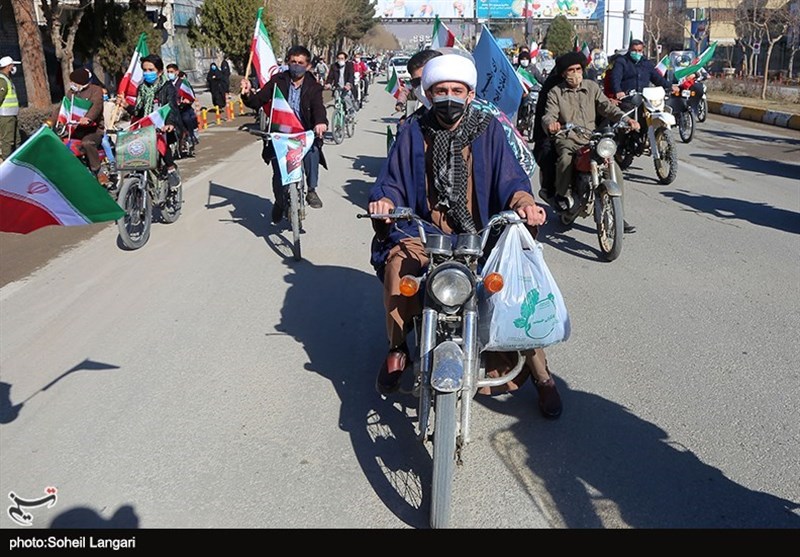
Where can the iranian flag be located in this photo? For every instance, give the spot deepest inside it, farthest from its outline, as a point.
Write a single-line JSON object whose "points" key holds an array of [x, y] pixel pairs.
{"points": [[534, 49], [261, 52], [42, 183], [698, 63], [282, 118], [526, 78], [157, 118], [575, 46], [586, 52], [442, 36], [185, 91], [394, 85], [663, 65], [129, 84], [72, 110]]}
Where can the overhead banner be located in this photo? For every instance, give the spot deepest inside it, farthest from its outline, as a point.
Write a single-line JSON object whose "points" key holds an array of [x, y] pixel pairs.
{"points": [[544, 9], [404, 9]]}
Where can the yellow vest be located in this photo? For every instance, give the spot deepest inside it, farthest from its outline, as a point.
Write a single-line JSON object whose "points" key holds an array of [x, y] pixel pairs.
{"points": [[10, 105]]}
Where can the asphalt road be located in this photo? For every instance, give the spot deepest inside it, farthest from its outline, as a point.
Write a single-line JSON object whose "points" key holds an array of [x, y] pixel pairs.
{"points": [[156, 387]]}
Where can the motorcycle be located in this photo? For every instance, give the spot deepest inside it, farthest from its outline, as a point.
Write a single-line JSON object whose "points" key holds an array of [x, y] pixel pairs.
{"points": [[654, 137], [143, 186], [698, 100], [449, 368], [527, 113], [678, 103], [596, 185]]}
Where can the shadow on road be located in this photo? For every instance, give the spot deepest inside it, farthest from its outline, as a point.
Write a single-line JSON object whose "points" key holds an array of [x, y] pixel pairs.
{"points": [[124, 518], [727, 208], [346, 346], [9, 411], [599, 461], [753, 164]]}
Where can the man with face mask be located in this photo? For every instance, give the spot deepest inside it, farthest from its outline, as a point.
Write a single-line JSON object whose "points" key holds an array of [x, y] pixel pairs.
{"points": [[342, 76], [575, 101], [483, 177], [9, 108], [634, 72], [91, 127], [304, 94]]}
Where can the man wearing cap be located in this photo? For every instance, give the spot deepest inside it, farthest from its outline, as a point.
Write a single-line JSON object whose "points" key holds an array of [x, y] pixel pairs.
{"points": [[9, 108], [455, 169], [90, 128], [575, 101]]}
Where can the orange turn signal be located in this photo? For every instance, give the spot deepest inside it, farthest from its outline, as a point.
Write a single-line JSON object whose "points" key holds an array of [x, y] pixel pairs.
{"points": [[409, 286], [493, 283]]}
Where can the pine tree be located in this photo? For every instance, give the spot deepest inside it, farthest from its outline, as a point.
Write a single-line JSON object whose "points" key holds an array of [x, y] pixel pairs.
{"points": [[559, 37]]}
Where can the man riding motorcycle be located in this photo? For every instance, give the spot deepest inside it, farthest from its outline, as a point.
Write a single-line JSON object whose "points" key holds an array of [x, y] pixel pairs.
{"points": [[90, 129], [484, 178]]}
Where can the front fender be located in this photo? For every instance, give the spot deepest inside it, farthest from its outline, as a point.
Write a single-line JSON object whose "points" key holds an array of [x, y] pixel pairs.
{"points": [[610, 186]]}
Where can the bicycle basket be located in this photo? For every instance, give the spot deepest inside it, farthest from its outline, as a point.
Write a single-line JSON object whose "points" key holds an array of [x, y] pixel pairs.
{"points": [[136, 150]]}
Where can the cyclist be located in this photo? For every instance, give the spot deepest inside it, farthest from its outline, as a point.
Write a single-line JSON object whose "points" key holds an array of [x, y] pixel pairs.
{"points": [[362, 70], [301, 90], [342, 77]]}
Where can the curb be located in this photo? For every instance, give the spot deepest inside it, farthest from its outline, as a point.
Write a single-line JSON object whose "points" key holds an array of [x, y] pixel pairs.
{"points": [[771, 117]]}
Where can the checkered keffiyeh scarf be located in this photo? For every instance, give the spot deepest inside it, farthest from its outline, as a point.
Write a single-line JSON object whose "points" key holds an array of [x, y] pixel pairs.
{"points": [[449, 167]]}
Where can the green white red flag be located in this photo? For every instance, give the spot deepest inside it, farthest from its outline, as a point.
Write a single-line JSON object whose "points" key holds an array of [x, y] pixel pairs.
{"points": [[42, 183], [395, 85], [264, 60], [282, 118], [442, 36], [185, 91], [534, 49], [526, 79], [586, 52], [129, 84], [72, 110], [663, 65], [698, 63], [157, 118]]}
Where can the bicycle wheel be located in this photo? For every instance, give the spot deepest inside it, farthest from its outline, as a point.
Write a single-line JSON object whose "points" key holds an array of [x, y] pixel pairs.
{"points": [[294, 216], [337, 126], [350, 125], [134, 226]]}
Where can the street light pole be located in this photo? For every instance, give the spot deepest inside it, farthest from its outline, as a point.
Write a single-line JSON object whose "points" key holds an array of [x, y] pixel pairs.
{"points": [[626, 24]]}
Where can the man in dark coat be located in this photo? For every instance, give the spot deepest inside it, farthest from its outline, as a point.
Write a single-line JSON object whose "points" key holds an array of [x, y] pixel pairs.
{"points": [[634, 72], [304, 94]]}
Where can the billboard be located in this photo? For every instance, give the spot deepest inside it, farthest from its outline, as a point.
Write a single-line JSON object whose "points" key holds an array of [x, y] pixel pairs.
{"points": [[545, 9], [404, 9]]}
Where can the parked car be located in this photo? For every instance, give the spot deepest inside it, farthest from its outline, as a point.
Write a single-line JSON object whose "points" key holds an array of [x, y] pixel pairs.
{"points": [[399, 64]]}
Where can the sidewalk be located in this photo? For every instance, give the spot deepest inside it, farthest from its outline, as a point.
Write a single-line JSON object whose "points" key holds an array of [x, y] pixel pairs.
{"points": [[771, 117]]}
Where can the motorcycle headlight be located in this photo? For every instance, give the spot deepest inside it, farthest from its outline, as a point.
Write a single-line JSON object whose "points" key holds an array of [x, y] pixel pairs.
{"points": [[606, 148], [450, 286]]}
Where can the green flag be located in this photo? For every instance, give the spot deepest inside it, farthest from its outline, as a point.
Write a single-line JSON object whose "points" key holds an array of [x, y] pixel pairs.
{"points": [[698, 63]]}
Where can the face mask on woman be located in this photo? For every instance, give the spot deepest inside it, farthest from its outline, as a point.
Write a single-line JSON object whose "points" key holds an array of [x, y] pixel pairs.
{"points": [[449, 109], [524, 63], [172, 76], [150, 77]]}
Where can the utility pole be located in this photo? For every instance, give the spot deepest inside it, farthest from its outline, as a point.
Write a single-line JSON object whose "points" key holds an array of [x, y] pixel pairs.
{"points": [[527, 24], [626, 24]]}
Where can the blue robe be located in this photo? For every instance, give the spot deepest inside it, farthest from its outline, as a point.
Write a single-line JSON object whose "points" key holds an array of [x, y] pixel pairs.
{"points": [[496, 175]]}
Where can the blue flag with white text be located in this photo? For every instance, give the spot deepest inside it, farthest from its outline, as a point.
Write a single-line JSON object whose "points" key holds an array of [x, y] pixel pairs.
{"points": [[497, 80]]}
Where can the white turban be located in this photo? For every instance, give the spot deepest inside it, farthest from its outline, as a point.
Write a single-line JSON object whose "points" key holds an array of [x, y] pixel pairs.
{"points": [[449, 67]]}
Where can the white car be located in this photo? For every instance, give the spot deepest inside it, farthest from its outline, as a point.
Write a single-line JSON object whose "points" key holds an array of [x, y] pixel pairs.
{"points": [[399, 64]]}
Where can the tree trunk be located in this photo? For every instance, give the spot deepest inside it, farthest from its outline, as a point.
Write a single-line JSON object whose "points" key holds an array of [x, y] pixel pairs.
{"points": [[64, 44], [791, 63], [30, 44]]}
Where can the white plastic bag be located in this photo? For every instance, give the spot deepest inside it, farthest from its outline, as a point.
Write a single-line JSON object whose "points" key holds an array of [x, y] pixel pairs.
{"points": [[529, 311]]}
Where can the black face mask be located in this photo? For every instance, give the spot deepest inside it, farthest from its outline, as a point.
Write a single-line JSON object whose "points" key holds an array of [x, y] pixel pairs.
{"points": [[449, 109], [297, 70]]}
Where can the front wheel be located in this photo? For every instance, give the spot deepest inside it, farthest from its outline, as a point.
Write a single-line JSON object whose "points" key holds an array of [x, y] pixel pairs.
{"points": [[171, 210], [350, 125], [610, 224], [134, 199], [686, 125], [444, 458], [529, 129], [667, 162], [294, 217], [702, 110], [337, 127]]}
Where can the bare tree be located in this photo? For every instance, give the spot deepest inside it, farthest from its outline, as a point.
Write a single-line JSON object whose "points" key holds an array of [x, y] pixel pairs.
{"points": [[663, 23], [30, 43], [793, 35], [767, 22], [62, 22]]}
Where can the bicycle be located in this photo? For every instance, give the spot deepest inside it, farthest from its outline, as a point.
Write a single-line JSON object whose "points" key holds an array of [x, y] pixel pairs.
{"points": [[343, 123], [294, 202]]}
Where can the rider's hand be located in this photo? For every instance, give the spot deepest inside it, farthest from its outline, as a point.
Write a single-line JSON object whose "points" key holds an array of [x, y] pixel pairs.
{"points": [[534, 215], [398, 107], [168, 128], [320, 129], [121, 101], [347, 87], [246, 86], [381, 207], [554, 127], [633, 124], [620, 95], [84, 121]]}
